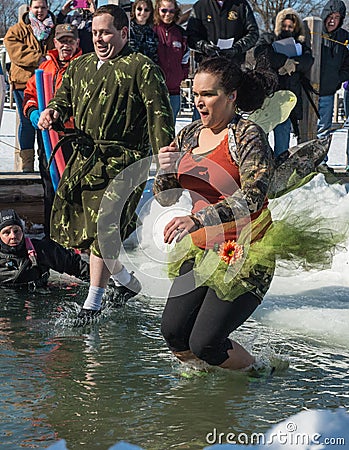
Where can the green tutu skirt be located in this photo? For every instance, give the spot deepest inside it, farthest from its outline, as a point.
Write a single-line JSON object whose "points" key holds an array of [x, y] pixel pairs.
{"points": [[232, 268]]}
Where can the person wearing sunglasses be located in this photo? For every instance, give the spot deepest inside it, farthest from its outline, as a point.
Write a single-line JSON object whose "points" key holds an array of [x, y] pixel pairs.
{"points": [[173, 52], [143, 39]]}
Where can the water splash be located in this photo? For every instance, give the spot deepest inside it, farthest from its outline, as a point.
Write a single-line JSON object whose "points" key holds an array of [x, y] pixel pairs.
{"points": [[66, 317]]}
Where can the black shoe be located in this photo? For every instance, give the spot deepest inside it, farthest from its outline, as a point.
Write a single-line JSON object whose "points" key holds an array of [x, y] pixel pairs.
{"points": [[119, 295], [86, 317]]}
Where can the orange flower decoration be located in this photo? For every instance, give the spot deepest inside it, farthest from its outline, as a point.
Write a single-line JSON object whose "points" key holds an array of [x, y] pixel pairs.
{"points": [[230, 252]]}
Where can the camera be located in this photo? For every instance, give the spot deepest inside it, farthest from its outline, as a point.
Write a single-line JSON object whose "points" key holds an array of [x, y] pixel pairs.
{"points": [[81, 4]]}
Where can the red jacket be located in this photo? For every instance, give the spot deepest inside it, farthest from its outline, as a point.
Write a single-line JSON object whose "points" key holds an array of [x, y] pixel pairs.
{"points": [[173, 54], [51, 66]]}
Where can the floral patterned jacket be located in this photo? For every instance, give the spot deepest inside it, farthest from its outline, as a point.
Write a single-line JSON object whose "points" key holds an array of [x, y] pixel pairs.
{"points": [[249, 147], [143, 39]]}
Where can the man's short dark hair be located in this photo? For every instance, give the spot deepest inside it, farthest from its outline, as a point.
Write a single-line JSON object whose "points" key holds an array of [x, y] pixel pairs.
{"points": [[120, 18]]}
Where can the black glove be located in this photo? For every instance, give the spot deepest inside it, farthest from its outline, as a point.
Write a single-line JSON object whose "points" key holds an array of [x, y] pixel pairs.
{"points": [[207, 49], [230, 52]]}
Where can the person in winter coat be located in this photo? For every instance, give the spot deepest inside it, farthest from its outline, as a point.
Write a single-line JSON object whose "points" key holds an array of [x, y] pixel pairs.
{"points": [[143, 39], [173, 53], [290, 70], [81, 18], [27, 44], [212, 20], [25, 261], [334, 68], [66, 49]]}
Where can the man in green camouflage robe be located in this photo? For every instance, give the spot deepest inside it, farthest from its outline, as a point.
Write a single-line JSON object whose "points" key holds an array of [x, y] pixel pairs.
{"points": [[119, 100]]}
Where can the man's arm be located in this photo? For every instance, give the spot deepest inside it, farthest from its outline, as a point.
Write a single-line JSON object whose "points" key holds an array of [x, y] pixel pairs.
{"points": [[47, 118], [157, 103], [60, 259], [196, 31]]}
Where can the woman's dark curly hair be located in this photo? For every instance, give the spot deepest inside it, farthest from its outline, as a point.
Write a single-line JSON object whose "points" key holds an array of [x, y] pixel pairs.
{"points": [[252, 85]]}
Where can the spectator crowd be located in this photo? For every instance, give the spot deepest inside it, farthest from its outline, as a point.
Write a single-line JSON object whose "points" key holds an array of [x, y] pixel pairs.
{"points": [[227, 28]]}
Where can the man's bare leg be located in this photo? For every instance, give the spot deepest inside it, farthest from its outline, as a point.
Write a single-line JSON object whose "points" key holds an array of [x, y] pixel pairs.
{"points": [[100, 271]]}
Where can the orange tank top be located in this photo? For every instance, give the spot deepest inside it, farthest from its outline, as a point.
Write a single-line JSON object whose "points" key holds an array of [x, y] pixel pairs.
{"points": [[210, 178]]}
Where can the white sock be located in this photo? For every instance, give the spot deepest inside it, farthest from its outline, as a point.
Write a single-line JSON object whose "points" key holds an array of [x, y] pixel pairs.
{"points": [[94, 298], [122, 278]]}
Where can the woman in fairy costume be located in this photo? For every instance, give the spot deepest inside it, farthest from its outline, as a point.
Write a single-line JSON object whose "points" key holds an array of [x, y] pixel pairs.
{"points": [[198, 318], [223, 260]]}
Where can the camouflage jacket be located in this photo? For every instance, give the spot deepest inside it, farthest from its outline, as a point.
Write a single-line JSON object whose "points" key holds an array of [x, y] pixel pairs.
{"points": [[118, 109], [249, 148], [125, 100]]}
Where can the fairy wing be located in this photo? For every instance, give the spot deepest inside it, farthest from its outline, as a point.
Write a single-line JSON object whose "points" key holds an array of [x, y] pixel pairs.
{"points": [[275, 110], [297, 166]]}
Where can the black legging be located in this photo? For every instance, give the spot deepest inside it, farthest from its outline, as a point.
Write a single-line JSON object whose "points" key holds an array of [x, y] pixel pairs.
{"points": [[199, 321]]}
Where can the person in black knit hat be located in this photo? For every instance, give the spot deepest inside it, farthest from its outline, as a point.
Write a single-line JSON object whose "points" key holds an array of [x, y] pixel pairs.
{"points": [[25, 261]]}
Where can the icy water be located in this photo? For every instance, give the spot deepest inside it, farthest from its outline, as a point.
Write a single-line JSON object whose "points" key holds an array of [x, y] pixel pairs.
{"points": [[117, 380]]}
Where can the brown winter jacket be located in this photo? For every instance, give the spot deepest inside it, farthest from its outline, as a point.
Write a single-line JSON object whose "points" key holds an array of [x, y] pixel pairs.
{"points": [[25, 51]]}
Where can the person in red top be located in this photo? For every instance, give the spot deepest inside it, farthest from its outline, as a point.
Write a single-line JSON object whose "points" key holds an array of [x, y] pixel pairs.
{"points": [[66, 43], [173, 52], [225, 250], [227, 165]]}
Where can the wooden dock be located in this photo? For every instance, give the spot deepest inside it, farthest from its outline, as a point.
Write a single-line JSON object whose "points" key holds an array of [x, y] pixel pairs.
{"points": [[23, 192]]}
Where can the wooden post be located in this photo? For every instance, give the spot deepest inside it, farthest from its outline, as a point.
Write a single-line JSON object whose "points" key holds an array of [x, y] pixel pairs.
{"points": [[308, 126], [18, 159], [335, 108]]}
